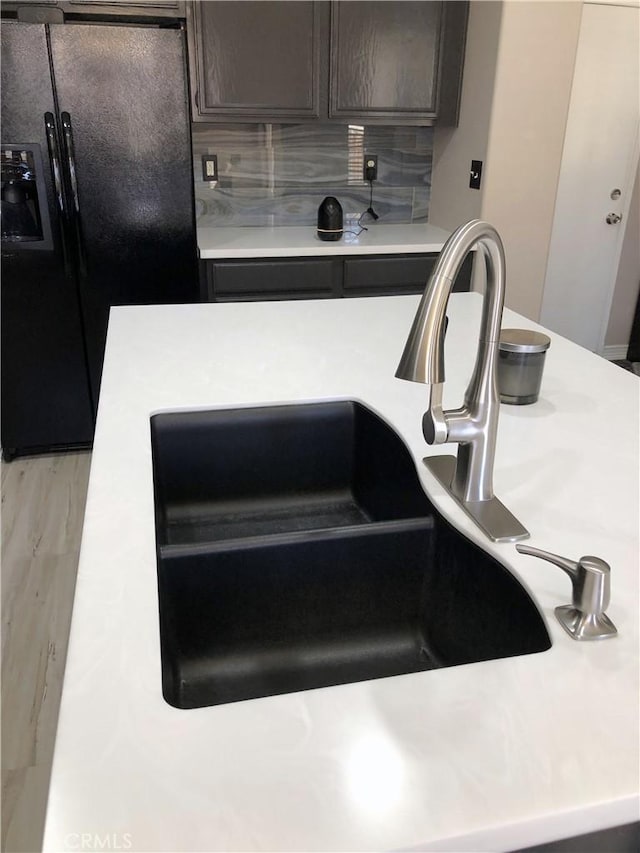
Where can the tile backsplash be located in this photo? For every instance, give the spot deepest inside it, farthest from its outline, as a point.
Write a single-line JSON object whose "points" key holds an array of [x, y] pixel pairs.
{"points": [[275, 174]]}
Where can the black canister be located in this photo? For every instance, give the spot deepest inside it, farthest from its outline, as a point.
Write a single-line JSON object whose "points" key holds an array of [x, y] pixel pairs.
{"points": [[330, 219]]}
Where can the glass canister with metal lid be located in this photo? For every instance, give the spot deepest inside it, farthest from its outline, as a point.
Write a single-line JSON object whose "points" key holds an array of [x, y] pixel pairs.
{"points": [[521, 359]]}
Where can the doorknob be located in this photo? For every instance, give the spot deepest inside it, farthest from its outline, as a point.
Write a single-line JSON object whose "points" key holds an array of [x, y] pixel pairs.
{"points": [[613, 218]]}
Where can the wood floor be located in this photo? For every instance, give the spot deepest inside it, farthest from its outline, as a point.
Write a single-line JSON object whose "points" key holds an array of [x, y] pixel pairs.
{"points": [[43, 502]]}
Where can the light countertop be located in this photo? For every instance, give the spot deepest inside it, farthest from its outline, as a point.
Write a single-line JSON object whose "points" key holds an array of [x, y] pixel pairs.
{"points": [[488, 756], [303, 241]]}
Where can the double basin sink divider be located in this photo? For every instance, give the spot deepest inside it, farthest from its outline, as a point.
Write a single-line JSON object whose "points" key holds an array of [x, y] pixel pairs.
{"points": [[297, 549]]}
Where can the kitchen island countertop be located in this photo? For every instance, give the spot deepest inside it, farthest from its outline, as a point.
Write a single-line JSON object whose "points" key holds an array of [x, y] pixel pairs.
{"points": [[302, 241], [489, 756]]}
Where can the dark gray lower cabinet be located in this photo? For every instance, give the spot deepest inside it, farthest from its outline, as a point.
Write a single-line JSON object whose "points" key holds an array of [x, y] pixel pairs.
{"points": [[250, 281], [322, 277], [390, 275], [57, 11]]}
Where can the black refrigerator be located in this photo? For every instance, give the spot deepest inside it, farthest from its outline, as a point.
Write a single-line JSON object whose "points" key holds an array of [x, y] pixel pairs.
{"points": [[97, 210]]}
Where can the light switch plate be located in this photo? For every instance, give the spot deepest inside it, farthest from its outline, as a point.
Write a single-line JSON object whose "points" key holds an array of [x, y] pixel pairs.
{"points": [[475, 174]]}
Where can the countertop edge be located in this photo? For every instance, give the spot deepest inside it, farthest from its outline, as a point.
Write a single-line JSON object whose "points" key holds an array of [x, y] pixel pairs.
{"points": [[234, 242]]}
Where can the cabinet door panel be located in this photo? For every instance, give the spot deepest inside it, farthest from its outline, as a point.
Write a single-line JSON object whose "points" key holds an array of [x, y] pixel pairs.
{"points": [[259, 59], [393, 276], [281, 279], [385, 58]]}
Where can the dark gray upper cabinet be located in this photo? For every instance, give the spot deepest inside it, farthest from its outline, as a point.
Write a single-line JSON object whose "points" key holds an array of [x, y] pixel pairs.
{"points": [[57, 11], [349, 60], [396, 60], [384, 58], [256, 60]]}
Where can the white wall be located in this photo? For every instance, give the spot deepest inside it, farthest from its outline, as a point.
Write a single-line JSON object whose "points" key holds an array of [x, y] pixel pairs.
{"points": [[452, 201], [515, 98], [534, 73]]}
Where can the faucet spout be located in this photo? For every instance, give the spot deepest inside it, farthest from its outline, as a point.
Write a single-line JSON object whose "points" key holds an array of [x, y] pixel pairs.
{"points": [[474, 425]]}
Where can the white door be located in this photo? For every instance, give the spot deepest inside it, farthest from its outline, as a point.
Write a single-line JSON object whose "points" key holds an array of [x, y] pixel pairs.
{"points": [[599, 157]]}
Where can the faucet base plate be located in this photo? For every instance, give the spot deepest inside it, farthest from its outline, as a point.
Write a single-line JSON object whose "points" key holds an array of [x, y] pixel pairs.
{"points": [[491, 516]]}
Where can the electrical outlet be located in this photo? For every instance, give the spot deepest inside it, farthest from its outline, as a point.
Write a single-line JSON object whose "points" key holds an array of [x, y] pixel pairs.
{"points": [[370, 167], [209, 167]]}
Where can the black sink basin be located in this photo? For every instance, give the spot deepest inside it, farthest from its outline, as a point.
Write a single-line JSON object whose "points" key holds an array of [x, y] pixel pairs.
{"points": [[297, 549]]}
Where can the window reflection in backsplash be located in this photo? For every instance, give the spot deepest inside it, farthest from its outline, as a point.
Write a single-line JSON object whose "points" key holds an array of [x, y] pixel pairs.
{"points": [[273, 174]]}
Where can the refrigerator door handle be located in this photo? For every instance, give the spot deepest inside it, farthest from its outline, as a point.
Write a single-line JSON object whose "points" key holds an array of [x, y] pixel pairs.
{"points": [[52, 144], [67, 132]]}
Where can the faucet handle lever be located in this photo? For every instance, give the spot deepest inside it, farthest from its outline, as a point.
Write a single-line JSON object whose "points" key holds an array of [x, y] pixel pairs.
{"points": [[434, 423], [585, 618]]}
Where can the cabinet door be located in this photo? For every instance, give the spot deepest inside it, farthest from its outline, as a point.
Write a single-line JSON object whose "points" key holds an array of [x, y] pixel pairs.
{"points": [[393, 275], [397, 61], [387, 275], [384, 58], [256, 60], [250, 281]]}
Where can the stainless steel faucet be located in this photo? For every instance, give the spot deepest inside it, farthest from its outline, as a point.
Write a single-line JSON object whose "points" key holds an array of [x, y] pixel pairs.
{"points": [[474, 426]]}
